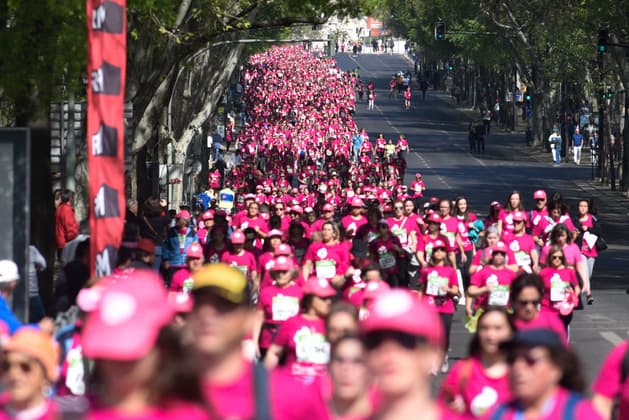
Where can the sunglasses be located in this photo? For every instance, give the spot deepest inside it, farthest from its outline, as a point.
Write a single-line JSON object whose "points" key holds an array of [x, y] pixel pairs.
{"points": [[24, 367], [528, 302], [528, 358], [279, 208], [556, 257], [498, 253], [398, 208], [375, 339]]}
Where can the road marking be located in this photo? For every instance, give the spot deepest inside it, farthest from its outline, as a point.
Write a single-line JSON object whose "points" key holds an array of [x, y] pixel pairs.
{"points": [[612, 337]]}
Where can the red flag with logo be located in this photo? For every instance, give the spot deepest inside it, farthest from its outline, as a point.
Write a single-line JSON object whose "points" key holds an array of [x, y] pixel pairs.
{"points": [[106, 67]]}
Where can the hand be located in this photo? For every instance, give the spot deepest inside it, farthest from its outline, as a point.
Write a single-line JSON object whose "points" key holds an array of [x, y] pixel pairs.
{"points": [[490, 287], [463, 258], [458, 404]]}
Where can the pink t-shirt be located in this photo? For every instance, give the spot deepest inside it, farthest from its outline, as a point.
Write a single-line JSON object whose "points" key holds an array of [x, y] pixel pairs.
{"points": [[245, 262], [181, 411], [582, 410], [588, 222], [403, 228], [501, 280], [556, 282], [547, 320], [450, 228], [521, 246], [468, 379], [278, 304], [570, 251], [608, 381], [306, 349], [464, 231], [289, 398], [351, 223], [507, 219], [328, 260], [430, 281]]}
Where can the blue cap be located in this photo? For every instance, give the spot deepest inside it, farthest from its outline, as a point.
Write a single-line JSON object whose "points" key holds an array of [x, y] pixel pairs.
{"points": [[533, 338]]}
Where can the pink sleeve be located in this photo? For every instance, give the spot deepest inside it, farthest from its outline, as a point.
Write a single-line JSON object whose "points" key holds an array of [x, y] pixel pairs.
{"points": [[449, 385], [608, 381], [511, 257], [454, 280], [309, 255], [477, 278]]}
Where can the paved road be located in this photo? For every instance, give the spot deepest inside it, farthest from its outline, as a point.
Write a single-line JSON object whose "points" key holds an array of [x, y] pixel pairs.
{"points": [[437, 132]]}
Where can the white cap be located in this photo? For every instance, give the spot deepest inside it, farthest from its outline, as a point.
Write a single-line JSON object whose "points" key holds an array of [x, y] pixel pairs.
{"points": [[8, 271]]}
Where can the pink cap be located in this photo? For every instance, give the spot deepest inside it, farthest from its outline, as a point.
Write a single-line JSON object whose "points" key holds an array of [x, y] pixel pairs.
{"points": [[439, 244], [318, 287], [238, 238], [434, 218], [418, 175], [357, 202], [499, 247], [518, 216], [250, 196], [401, 310], [183, 214], [275, 232], [194, 251], [539, 195], [373, 289], [297, 209], [308, 209], [283, 249], [208, 215], [126, 316], [282, 263], [328, 207], [495, 204]]}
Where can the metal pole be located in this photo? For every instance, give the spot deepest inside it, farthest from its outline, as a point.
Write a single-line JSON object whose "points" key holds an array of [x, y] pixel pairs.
{"points": [[70, 158], [515, 83]]}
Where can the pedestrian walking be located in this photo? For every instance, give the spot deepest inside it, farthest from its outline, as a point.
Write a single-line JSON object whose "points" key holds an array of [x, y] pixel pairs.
{"points": [[66, 226], [555, 146], [577, 145], [372, 99]]}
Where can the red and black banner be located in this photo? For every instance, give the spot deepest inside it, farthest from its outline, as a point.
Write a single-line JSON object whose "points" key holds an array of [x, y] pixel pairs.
{"points": [[106, 67]]}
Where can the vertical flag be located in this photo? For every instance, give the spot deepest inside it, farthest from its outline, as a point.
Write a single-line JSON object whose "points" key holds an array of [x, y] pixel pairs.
{"points": [[106, 67]]}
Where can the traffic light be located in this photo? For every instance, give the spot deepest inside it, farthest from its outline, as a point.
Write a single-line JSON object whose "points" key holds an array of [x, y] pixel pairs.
{"points": [[440, 31], [528, 95], [603, 34], [450, 67], [610, 93]]}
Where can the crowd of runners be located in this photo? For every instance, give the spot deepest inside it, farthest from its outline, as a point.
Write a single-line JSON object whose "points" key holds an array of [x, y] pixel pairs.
{"points": [[317, 285]]}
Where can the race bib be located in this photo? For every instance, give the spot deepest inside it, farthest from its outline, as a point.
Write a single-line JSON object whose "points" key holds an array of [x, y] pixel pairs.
{"points": [[326, 269], [284, 307], [386, 260], [311, 347], [401, 235], [75, 376], [499, 296], [187, 285], [557, 288], [522, 258], [434, 284]]}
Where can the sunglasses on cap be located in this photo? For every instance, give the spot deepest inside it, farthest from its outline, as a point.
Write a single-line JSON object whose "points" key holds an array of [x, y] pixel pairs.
{"points": [[525, 355], [375, 339]]}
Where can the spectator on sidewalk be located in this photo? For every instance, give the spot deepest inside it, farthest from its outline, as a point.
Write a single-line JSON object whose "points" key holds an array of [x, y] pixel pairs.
{"points": [[36, 263], [66, 226], [555, 146], [577, 144]]}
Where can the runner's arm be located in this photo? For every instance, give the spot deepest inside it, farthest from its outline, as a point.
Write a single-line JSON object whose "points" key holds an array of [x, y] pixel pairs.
{"points": [[257, 328], [273, 355]]}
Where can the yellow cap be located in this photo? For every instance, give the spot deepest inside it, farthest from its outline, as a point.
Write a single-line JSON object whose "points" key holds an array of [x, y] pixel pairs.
{"points": [[223, 280]]}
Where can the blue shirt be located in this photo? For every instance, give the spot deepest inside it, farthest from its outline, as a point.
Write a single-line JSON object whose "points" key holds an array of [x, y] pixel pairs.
{"points": [[7, 316], [577, 139]]}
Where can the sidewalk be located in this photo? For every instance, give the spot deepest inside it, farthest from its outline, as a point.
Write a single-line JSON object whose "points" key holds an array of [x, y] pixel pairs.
{"points": [[613, 206]]}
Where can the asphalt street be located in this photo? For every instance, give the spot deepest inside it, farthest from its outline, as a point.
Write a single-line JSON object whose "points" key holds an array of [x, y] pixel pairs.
{"points": [[437, 133]]}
